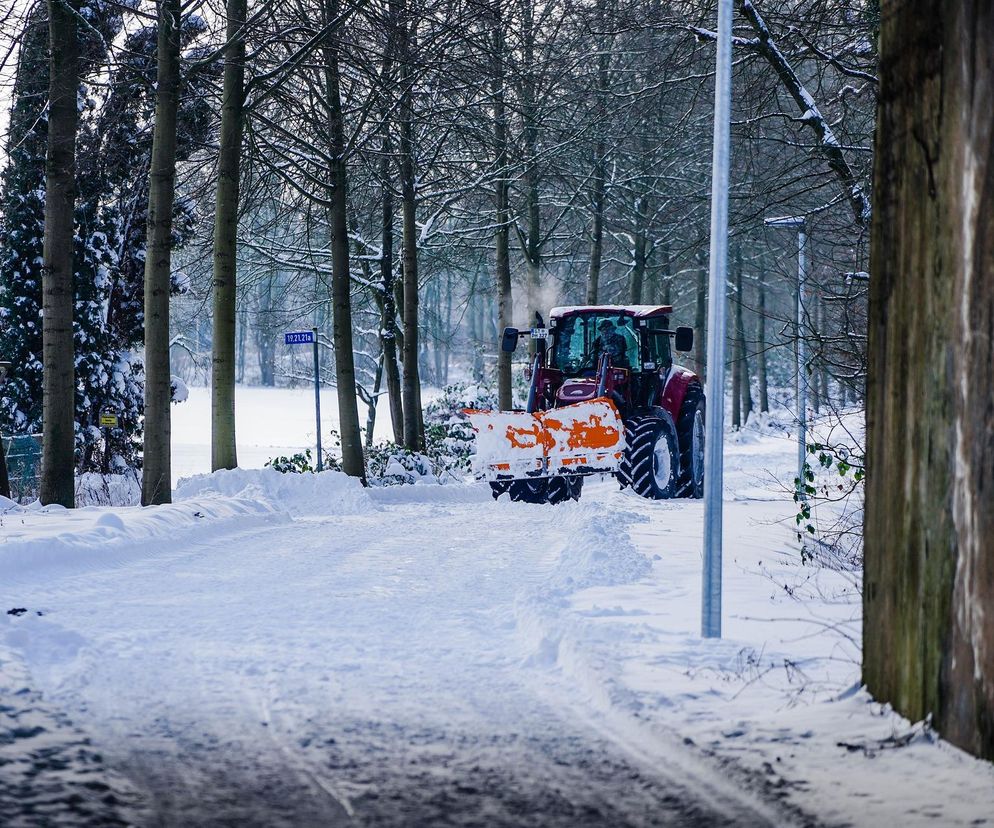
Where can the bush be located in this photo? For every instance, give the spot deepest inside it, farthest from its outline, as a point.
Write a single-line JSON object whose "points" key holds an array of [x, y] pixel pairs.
{"points": [[303, 461], [449, 438], [449, 444], [388, 464]]}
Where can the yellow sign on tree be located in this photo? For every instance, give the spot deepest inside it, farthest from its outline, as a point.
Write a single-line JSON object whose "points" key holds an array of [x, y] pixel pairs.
{"points": [[108, 420]]}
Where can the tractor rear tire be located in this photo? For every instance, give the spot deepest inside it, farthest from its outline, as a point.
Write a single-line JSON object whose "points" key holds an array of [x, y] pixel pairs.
{"points": [[550, 490], [690, 432], [651, 463]]}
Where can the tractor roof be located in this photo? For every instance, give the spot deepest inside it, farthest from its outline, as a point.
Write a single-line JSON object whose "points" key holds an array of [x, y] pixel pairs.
{"points": [[638, 311]]}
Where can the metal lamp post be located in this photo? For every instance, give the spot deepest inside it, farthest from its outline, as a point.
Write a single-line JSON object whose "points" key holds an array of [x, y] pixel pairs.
{"points": [[801, 387], [717, 311]]}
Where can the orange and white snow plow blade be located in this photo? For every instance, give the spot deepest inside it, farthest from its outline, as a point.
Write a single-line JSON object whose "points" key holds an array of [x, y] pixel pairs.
{"points": [[582, 438]]}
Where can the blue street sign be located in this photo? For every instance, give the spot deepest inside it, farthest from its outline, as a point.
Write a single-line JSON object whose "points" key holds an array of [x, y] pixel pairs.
{"points": [[298, 338]]}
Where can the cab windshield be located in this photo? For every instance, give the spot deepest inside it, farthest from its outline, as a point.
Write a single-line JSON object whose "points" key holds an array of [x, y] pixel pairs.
{"points": [[581, 338]]}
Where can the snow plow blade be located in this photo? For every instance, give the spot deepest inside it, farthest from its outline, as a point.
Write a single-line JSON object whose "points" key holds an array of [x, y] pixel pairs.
{"points": [[582, 438]]}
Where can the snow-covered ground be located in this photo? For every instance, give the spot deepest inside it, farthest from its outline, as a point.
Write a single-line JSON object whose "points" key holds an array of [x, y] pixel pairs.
{"points": [[296, 650], [268, 421]]}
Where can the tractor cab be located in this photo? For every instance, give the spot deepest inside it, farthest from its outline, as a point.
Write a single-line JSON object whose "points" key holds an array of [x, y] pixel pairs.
{"points": [[619, 352]]}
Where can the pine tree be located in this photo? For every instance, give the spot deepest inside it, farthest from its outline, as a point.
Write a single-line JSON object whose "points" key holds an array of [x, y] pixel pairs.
{"points": [[22, 208], [113, 151]]}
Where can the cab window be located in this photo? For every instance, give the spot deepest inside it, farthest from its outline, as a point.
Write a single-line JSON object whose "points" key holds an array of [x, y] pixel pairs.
{"points": [[577, 346], [658, 344]]}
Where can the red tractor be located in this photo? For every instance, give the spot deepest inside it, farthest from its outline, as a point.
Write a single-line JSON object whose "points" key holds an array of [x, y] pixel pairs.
{"points": [[605, 396]]}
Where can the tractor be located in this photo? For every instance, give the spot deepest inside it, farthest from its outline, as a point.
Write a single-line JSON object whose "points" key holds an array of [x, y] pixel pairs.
{"points": [[604, 397]]}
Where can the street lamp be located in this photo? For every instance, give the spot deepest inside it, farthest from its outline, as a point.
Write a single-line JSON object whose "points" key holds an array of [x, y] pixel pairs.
{"points": [[717, 311], [799, 223]]}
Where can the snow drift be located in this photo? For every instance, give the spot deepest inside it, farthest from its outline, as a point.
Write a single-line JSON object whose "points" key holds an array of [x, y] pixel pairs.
{"points": [[326, 493]]}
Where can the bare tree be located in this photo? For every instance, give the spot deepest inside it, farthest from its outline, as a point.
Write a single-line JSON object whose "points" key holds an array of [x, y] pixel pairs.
{"points": [[157, 457], [223, 362], [352, 456]]}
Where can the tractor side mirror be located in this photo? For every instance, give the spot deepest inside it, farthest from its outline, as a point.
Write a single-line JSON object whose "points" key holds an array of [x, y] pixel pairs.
{"points": [[684, 339], [509, 340]]}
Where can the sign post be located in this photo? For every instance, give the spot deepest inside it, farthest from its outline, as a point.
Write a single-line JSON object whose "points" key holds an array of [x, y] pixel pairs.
{"points": [[317, 396], [108, 420], [311, 338]]}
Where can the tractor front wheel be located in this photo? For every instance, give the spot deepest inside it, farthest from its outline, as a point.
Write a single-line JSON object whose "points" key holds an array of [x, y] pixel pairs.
{"points": [[564, 488], [651, 463], [550, 490]]}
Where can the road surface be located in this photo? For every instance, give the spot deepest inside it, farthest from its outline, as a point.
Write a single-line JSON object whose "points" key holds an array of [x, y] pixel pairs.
{"points": [[385, 667]]}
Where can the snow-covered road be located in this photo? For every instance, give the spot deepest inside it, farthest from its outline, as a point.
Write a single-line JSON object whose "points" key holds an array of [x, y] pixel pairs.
{"points": [[295, 650], [380, 665]]}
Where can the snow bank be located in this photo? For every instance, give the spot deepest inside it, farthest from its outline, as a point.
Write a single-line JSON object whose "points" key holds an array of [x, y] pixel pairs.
{"points": [[432, 492], [327, 493], [598, 552], [38, 539]]}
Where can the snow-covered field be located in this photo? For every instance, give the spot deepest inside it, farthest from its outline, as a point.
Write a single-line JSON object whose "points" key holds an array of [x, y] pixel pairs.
{"points": [[268, 421], [296, 650]]}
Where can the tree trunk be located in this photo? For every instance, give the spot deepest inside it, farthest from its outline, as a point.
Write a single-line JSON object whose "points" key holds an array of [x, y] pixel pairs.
{"points": [[742, 362], [413, 417], [448, 328], [600, 158], [529, 117], [640, 248], [764, 396], [242, 336], [59, 376], [928, 569], [701, 319], [265, 347], [596, 228], [374, 404], [4, 475], [348, 408], [223, 452], [822, 356], [388, 322], [737, 350], [157, 459], [502, 254], [666, 276], [815, 355]]}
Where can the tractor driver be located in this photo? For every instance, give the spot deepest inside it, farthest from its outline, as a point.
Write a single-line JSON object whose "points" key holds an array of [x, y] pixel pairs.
{"points": [[612, 343]]}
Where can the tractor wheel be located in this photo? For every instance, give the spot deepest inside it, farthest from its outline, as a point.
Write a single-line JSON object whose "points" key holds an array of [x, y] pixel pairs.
{"points": [[529, 491], [651, 464], [499, 488], [690, 432], [550, 490], [564, 488]]}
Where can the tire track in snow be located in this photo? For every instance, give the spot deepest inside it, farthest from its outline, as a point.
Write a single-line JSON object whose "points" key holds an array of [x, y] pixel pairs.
{"points": [[371, 662]]}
